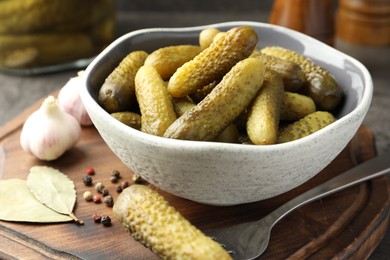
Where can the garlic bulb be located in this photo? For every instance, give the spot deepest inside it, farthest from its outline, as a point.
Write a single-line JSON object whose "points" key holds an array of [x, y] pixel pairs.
{"points": [[69, 100], [49, 131]]}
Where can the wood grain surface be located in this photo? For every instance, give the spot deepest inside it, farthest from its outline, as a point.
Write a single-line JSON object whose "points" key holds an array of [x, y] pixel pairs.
{"points": [[349, 223]]}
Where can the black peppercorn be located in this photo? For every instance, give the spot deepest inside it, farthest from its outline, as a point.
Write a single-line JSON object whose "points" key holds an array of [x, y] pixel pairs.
{"points": [[87, 180], [109, 201], [114, 179], [118, 188], [116, 173], [106, 220], [124, 185], [105, 192]]}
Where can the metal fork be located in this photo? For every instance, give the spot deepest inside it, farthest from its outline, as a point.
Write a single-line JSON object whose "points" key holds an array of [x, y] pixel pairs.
{"points": [[249, 240]]}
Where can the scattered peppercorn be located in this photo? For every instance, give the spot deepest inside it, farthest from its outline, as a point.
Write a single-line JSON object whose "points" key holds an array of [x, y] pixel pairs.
{"points": [[114, 179], [87, 180], [118, 188], [105, 192], [109, 201], [99, 187], [96, 218], [88, 196], [90, 171], [106, 220], [116, 173], [97, 198], [124, 184]]}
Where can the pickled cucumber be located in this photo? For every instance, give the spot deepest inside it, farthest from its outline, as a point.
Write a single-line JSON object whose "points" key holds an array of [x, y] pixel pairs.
{"points": [[157, 112], [321, 86], [229, 135], [149, 219], [29, 16], [213, 62], [306, 126], [263, 118], [206, 37], [292, 74], [118, 91], [168, 59], [128, 118], [296, 106], [201, 93], [225, 102]]}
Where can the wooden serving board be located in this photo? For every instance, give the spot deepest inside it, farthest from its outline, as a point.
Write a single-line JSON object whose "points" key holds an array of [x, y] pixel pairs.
{"points": [[349, 223]]}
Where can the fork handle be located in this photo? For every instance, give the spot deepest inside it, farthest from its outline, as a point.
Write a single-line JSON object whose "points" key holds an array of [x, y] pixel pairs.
{"points": [[368, 170]]}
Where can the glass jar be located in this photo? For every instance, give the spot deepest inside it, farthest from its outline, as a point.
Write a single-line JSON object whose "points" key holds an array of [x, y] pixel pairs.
{"points": [[47, 35]]}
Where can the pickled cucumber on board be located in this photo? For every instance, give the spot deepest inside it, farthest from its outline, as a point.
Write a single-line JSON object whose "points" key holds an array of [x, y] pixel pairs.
{"points": [[206, 37], [225, 103], [20, 51], [320, 85], [118, 90], [306, 126], [292, 74], [157, 112], [128, 118], [296, 106], [213, 62], [152, 221], [263, 118]]}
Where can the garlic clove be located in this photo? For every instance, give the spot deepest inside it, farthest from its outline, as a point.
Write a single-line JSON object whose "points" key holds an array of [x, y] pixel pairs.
{"points": [[69, 100], [49, 132]]}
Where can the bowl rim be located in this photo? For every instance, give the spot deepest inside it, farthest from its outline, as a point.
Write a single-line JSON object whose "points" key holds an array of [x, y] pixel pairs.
{"points": [[91, 104]]}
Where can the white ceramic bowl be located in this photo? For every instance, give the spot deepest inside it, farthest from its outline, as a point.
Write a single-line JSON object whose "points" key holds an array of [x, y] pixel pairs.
{"points": [[222, 173]]}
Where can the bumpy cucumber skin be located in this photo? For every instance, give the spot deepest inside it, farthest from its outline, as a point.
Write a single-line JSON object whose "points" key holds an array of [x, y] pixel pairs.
{"points": [[201, 93], [128, 118], [320, 85], [149, 219], [118, 91], [213, 62], [306, 126], [263, 118], [296, 106], [292, 74], [229, 135], [155, 103], [225, 103], [167, 60]]}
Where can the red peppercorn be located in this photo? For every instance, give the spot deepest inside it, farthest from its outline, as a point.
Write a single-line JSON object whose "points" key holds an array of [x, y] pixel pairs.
{"points": [[96, 218], [90, 171], [97, 198]]}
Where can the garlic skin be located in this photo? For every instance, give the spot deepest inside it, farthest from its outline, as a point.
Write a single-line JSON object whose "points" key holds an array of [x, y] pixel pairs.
{"points": [[49, 132], [69, 100]]}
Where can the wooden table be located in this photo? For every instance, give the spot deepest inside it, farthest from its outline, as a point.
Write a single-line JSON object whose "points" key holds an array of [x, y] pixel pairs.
{"points": [[350, 223]]}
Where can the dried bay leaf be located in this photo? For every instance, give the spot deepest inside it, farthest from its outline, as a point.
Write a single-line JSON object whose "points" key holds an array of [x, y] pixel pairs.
{"points": [[17, 203], [54, 189]]}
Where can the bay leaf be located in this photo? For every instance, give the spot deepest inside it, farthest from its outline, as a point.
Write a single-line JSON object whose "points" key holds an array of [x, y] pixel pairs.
{"points": [[53, 188], [17, 203]]}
